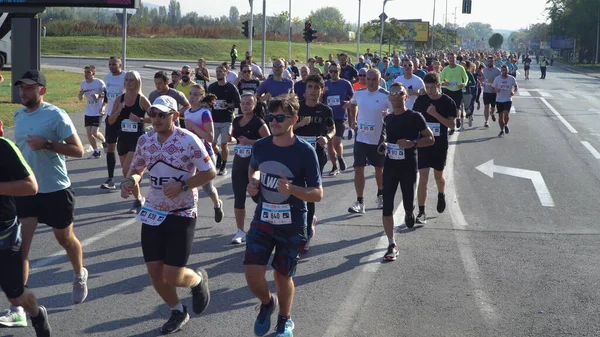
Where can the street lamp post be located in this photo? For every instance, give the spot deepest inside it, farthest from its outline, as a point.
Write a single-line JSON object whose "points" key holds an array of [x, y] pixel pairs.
{"points": [[358, 35], [290, 33], [433, 25], [251, 28], [382, 22], [264, 37]]}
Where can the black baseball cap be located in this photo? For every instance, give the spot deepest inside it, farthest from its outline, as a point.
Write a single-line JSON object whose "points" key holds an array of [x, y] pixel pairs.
{"points": [[32, 77]]}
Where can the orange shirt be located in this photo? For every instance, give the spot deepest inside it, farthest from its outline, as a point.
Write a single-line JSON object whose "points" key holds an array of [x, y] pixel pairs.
{"points": [[357, 86]]}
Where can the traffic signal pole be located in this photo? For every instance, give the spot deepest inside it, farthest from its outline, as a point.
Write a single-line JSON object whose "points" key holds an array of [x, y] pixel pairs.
{"points": [[251, 26]]}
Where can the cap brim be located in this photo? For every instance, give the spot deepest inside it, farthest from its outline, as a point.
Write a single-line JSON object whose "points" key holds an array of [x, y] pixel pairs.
{"points": [[25, 81], [161, 107]]}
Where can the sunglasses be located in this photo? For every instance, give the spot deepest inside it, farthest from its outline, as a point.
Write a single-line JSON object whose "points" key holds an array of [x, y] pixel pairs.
{"points": [[247, 71], [362, 75], [278, 66], [278, 118], [333, 71], [185, 72], [397, 93], [161, 115]]}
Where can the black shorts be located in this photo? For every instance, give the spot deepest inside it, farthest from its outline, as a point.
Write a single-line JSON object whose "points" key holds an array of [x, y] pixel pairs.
{"points": [[124, 146], [503, 106], [111, 133], [55, 209], [11, 277], [171, 242], [489, 98], [340, 127], [433, 157], [526, 67], [457, 96], [363, 151], [92, 121]]}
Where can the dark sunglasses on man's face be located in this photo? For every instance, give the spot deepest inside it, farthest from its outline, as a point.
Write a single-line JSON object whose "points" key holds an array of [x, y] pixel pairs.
{"points": [[185, 72], [278, 118], [161, 115], [333, 71], [247, 71]]}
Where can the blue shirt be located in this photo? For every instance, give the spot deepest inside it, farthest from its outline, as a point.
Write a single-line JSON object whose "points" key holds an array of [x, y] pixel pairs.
{"points": [[420, 73], [337, 94], [275, 88], [298, 163], [300, 89], [395, 72], [48, 122]]}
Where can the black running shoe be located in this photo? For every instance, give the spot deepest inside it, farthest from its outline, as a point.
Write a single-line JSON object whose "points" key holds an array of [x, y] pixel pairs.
{"points": [[493, 117], [177, 320], [441, 204], [421, 218], [391, 254], [409, 220], [219, 160], [219, 212], [458, 123], [506, 129], [342, 164], [40, 323], [201, 293]]}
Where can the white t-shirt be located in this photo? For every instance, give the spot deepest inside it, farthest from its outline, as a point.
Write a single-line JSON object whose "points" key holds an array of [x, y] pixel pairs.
{"points": [[414, 83], [506, 86], [114, 88], [256, 71], [94, 96], [231, 77], [372, 107]]}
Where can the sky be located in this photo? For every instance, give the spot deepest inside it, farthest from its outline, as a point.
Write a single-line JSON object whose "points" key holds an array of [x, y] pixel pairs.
{"points": [[516, 14]]}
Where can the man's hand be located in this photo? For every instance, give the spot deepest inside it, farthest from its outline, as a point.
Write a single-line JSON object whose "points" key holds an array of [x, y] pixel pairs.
{"points": [[127, 189], [283, 185], [172, 189], [405, 144], [36, 143], [322, 140], [431, 110], [253, 188]]}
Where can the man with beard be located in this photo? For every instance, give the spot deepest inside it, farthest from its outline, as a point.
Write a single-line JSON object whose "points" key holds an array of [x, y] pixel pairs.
{"points": [[347, 71], [276, 85], [184, 86]]}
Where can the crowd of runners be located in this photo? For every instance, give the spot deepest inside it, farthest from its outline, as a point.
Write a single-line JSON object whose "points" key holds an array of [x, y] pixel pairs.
{"points": [[279, 130]]}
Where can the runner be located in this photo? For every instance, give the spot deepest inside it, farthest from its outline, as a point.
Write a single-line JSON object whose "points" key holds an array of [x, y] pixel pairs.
{"points": [[94, 91], [489, 96], [128, 112], [372, 103], [316, 126], [184, 86], [169, 214], [300, 86], [347, 70], [200, 123], [245, 83], [503, 86], [362, 80], [413, 84], [276, 85], [45, 135], [406, 131], [468, 96], [202, 74], [247, 129], [161, 82], [115, 82], [454, 78], [284, 175], [16, 179], [527, 65], [439, 111], [338, 92], [175, 79], [393, 71]]}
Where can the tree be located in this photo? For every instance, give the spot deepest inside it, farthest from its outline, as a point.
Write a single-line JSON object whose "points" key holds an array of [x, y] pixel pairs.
{"points": [[278, 22], [496, 41], [328, 20], [174, 14], [234, 15], [478, 30]]}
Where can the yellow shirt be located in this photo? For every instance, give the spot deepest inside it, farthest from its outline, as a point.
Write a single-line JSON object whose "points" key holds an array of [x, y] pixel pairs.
{"points": [[185, 89]]}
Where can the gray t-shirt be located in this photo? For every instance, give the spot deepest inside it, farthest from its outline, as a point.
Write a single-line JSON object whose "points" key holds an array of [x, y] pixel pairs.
{"points": [[176, 94], [490, 75]]}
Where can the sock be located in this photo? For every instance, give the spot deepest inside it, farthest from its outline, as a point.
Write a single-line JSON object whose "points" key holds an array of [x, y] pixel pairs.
{"points": [[422, 209], [80, 275], [361, 200], [392, 240], [111, 162], [379, 192], [197, 283], [441, 194], [178, 306], [334, 168], [340, 158], [271, 303], [223, 164], [286, 317]]}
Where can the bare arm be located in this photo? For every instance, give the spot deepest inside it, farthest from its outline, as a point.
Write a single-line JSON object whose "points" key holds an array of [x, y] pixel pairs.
{"points": [[308, 194], [71, 148], [19, 188]]}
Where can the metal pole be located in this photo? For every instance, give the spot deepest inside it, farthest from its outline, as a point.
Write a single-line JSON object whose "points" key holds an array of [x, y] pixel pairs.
{"points": [[251, 27], [264, 37], [433, 25], [124, 56], [446, 22], [598, 35], [358, 35], [381, 36], [307, 52], [290, 33]]}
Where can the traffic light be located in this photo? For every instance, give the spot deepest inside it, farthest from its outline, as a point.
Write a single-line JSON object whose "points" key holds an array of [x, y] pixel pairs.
{"points": [[245, 29], [309, 33], [466, 6]]}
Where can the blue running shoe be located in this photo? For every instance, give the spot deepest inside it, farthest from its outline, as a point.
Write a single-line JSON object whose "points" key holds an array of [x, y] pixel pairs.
{"points": [[284, 327], [262, 325]]}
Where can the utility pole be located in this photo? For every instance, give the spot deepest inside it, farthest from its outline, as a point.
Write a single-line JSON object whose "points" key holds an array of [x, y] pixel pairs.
{"points": [[358, 35], [433, 25], [264, 37], [124, 56], [598, 35], [290, 33], [251, 29]]}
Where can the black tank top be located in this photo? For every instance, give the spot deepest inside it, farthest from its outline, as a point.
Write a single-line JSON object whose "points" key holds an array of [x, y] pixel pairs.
{"points": [[124, 125], [250, 130]]}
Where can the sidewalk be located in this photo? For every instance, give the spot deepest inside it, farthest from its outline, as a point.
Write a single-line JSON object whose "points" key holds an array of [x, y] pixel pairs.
{"points": [[578, 70]]}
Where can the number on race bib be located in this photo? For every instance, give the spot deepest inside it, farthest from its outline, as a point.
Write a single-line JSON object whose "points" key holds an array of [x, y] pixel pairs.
{"points": [[435, 128], [129, 126], [276, 214], [312, 140], [366, 127], [333, 100], [395, 152], [151, 217], [243, 151]]}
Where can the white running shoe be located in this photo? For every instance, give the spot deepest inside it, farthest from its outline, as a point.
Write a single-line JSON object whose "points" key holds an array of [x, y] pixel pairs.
{"points": [[80, 289], [380, 202], [239, 237], [15, 317], [357, 207]]}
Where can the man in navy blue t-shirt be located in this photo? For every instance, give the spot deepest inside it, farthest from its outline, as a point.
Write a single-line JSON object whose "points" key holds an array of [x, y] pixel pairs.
{"points": [[285, 175]]}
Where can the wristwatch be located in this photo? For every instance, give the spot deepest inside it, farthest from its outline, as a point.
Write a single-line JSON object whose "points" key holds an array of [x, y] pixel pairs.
{"points": [[328, 137], [48, 145], [184, 186]]}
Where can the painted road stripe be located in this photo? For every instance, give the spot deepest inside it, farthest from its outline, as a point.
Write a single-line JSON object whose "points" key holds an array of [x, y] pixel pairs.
{"points": [[545, 94], [569, 96], [524, 93], [560, 118], [592, 150]]}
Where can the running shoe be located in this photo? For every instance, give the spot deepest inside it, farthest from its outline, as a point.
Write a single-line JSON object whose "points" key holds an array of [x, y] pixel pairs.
{"points": [[239, 237], [451, 132], [262, 325], [108, 185], [222, 171], [379, 201], [506, 129], [493, 117], [201, 293], [334, 172], [342, 164], [391, 254], [94, 155], [441, 203], [137, 206], [462, 128], [41, 324], [80, 289], [421, 218], [219, 212], [458, 123], [409, 220], [15, 317], [350, 133], [177, 320], [357, 207], [486, 124], [501, 134], [284, 327]]}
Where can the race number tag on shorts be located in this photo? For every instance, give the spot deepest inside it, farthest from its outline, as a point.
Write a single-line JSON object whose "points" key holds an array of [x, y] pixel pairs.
{"points": [[366, 127], [243, 151], [333, 100], [435, 128], [221, 104], [129, 126], [395, 152], [276, 214], [312, 140], [151, 217]]}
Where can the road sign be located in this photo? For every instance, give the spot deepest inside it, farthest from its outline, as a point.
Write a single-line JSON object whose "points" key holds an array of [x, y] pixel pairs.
{"points": [[489, 168], [120, 17], [383, 16]]}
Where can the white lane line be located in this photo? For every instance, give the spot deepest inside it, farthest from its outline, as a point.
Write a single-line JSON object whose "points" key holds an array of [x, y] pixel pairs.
{"points": [[513, 110], [560, 118], [40, 263], [545, 94], [590, 98], [524, 93], [466, 253], [569, 96], [592, 150]]}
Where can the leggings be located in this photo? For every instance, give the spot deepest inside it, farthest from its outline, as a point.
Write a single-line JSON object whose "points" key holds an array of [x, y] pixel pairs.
{"points": [[392, 176], [239, 181], [310, 206]]}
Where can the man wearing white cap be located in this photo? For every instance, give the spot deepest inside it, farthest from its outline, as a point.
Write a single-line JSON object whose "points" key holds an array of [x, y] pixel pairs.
{"points": [[361, 63]]}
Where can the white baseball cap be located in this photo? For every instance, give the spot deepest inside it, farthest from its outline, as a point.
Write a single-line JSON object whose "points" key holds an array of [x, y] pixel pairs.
{"points": [[165, 103]]}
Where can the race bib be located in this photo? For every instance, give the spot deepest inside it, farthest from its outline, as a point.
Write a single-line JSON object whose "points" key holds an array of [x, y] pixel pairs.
{"points": [[395, 152], [333, 100], [221, 104], [454, 84], [276, 214], [112, 95], [312, 140], [435, 128], [129, 126], [151, 217], [243, 151], [367, 127]]}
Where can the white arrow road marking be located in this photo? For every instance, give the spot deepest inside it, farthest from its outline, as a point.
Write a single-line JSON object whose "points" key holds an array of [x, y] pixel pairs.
{"points": [[536, 178], [594, 110], [560, 118]]}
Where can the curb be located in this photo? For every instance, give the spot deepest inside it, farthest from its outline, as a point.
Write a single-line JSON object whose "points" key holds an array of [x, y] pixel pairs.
{"points": [[579, 72]]}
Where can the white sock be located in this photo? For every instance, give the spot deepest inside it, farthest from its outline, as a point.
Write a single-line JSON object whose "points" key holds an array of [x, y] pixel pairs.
{"points": [[80, 275], [178, 306], [392, 240], [197, 283]]}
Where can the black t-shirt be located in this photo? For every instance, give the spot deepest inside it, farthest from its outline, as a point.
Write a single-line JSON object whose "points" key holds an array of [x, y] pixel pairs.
{"points": [[229, 94], [248, 86], [321, 117], [295, 72], [13, 167], [349, 73], [445, 106], [137, 110], [407, 125], [250, 130]]}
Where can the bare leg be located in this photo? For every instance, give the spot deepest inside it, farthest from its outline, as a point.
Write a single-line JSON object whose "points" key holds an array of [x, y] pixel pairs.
{"points": [[285, 293]]}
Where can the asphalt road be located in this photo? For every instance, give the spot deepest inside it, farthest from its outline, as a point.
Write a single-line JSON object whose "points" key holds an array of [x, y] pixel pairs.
{"points": [[503, 260]]}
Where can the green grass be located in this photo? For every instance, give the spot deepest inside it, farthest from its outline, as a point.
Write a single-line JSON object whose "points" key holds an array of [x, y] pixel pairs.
{"points": [[62, 91], [188, 48]]}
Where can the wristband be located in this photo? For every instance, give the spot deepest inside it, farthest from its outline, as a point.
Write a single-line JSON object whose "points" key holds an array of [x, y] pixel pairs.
{"points": [[126, 180]]}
